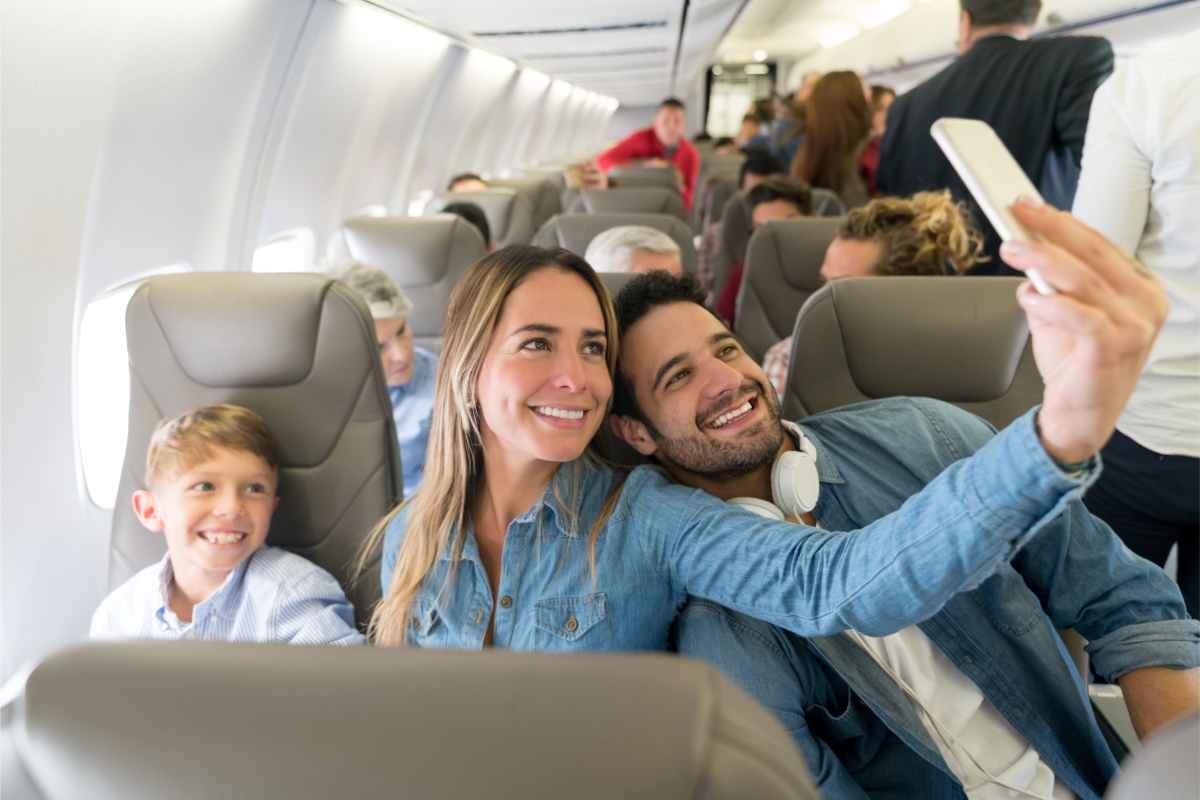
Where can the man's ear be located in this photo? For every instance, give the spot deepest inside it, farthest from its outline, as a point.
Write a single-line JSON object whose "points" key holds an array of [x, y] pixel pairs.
{"points": [[146, 508], [634, 433]]}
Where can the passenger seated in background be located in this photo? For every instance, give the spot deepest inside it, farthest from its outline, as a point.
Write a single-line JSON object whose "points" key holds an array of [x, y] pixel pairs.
{"points": [[474, 215], [633, 248], [211, 476], [929, 234], [467, 182], [987, 666], [662, 142], [410, 371], [775, 198], [725, 146], [751, 135], [756, 168], [881, 101], [840, 150]]}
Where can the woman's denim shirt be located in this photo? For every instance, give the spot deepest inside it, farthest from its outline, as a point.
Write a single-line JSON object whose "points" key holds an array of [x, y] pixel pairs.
{"points": [[665, 542]]}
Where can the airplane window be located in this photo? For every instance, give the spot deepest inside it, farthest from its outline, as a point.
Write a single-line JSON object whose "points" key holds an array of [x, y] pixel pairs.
{"points": [[290, 251], [373, 210], [102, 387], [417, 207]]}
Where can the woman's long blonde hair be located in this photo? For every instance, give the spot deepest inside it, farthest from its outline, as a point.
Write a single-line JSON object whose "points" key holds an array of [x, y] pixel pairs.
{"points": [[454, 459]]}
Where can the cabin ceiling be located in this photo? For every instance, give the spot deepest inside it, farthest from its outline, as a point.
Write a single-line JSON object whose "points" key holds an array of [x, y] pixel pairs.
{"points": [[638, 51]]}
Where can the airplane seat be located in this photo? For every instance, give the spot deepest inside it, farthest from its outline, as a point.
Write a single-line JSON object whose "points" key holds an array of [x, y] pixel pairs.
{"points": [[576, 231], [634, 177], [783, 268], [961, 340], [732, 242], [643, 200], [509, 215], [297, 348], [541, 192], [101, 721], [827, 203], [1165, 768], [714, 204], [425, 256], [727, 165]]}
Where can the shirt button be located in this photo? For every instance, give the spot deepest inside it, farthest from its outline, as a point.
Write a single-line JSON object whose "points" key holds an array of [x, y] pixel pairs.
{"points": [[190, 637], [572, 624], [505, 601]]}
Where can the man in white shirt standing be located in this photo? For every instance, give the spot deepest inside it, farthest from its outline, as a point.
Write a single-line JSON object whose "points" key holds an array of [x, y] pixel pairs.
{"points": [[1140, 187]]}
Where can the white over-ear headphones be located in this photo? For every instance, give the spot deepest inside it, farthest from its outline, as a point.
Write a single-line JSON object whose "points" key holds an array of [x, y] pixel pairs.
{"points": [[795, 485]]}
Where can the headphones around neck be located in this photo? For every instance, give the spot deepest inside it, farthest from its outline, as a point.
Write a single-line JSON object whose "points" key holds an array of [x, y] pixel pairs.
{"points": [[795, 485]]}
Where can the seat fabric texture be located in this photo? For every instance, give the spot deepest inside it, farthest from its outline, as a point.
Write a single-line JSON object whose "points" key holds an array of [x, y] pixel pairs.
{"points": [[963, 340], [102, 722], [299, 349]]}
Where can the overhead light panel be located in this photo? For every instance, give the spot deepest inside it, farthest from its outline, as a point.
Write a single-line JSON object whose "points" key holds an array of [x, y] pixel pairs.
{"points": [[882, 11], [760, 55], [718, 69], [757, 69], [834, 33]]}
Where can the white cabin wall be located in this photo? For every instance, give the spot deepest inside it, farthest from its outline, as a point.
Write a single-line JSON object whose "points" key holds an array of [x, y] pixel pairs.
{"points": [[140, 133]]}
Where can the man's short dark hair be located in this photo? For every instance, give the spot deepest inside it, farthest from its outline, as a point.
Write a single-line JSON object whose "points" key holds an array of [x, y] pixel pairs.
{"points": [[1001, 12], [472, 214], [759, 162], [466, 176], [782, 187], [638, 298], [722, 141], [671, 102]]}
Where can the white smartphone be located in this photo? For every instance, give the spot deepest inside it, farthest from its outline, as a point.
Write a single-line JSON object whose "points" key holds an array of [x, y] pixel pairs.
{"points": [[994, 177]]}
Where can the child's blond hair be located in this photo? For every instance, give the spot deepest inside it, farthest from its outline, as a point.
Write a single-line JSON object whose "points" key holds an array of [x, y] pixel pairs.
{"points": [[188, 439]]}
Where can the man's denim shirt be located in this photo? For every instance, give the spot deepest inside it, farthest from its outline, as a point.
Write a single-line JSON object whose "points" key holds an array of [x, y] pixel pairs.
{"points": [[871, 457], [664, 542]]}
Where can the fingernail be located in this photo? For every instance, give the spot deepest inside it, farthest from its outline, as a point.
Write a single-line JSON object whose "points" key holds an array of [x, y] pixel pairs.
{"points": [[1030, 201], [1028, 296], [1014, 248]]}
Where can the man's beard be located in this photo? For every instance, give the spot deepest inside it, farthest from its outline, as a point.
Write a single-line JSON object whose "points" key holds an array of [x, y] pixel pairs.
{"points": [[720, 460]]}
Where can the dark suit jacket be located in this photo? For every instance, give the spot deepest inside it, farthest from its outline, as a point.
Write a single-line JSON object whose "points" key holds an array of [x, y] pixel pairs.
{"points": [[1035, 94]]}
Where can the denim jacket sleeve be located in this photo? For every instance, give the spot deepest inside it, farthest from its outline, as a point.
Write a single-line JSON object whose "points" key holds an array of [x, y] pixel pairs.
{"points": [[895, 572], [1127, 608]]}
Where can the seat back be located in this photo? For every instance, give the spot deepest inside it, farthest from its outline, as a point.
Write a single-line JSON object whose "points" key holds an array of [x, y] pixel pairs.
{"points": [[425, 256], [826, 203], [576, 231], [542, 194], [1166, 768], [299, 349], [646, 200], [509, 215], [727, 165], [102, 722], [783, 268], [962, 340], [719, 193], [635, 177], [732, 242]]}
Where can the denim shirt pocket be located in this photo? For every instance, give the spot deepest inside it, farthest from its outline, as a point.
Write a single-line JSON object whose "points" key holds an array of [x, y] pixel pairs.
{"points": [[426, 629], [833, 725], [573, 623]]}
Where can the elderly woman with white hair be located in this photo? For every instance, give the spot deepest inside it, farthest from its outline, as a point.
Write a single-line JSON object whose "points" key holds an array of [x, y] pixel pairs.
{"points": [[411, 371], [634, 248]]}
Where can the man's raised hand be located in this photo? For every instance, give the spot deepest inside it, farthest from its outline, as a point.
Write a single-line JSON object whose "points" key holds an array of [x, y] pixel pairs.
{"points": [[1091, 339]]}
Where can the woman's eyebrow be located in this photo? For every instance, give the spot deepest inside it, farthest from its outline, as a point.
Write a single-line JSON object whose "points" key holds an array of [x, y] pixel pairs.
{"points": [[538, 327]]}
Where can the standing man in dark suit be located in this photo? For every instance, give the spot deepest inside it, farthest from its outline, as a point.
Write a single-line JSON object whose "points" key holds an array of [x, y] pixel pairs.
{"points": [[1035, 94]]}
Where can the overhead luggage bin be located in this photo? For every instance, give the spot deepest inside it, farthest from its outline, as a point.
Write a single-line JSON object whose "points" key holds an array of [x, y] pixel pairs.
{"points": [[962, 340], [102, 722], [299, 349], [644, 200], [425, 256], [576, 231], [509, 214]]}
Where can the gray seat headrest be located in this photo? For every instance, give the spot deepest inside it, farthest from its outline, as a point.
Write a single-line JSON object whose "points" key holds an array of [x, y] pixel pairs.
{"points": [[542, 194], [509, 215], [826, 203], [644, 200], [962, 340], [102, 722], [576, 231], [425, 256], [634, 177], [300, 350], [783, 268]]}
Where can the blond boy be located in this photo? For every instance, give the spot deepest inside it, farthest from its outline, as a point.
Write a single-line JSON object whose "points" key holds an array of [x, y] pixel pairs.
{"points": [[212, 474]]}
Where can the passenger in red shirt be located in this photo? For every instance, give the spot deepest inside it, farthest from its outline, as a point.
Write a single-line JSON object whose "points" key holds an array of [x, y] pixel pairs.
{"points": [[663, 141]]}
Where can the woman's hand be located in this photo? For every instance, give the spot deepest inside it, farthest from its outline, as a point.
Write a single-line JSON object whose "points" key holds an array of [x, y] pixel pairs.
{"points": [[1091, 339]]}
